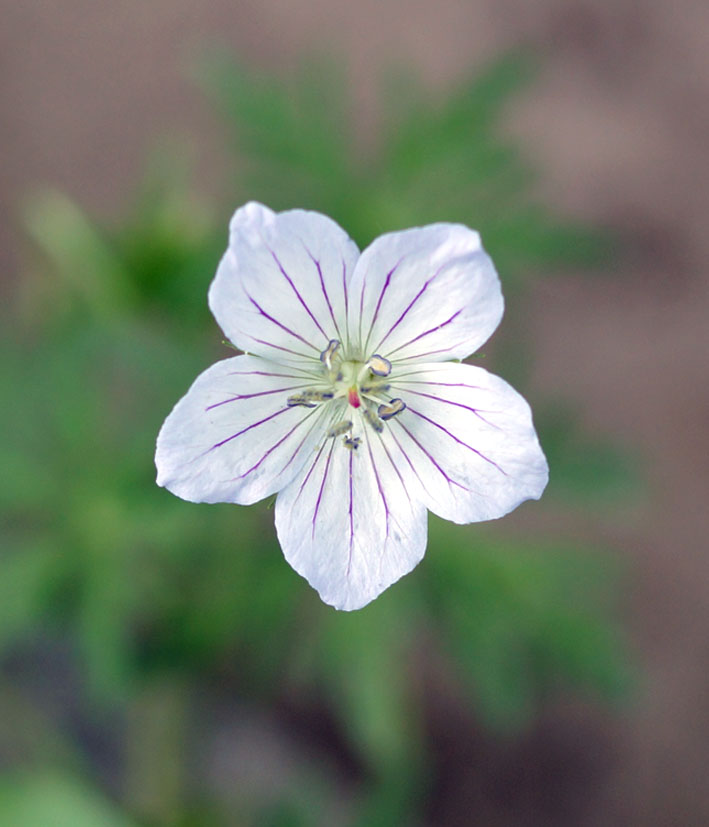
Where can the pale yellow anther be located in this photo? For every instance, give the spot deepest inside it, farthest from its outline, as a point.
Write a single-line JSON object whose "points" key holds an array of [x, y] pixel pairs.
{"points": [[373, 420], [352, 442], [327, 355], [299, 399], [340, 428], [394, 407], [374, 387], [379, 365], [317, 396]]}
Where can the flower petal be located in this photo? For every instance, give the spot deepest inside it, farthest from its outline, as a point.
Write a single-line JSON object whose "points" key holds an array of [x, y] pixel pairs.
{"points": [[348, 525], [467, 438], [430, 292], [282, 287], [232, 438]]}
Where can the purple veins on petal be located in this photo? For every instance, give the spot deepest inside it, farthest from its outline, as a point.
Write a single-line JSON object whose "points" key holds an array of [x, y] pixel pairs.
{"points": [[387, 282], [311, 469], [351, 515], [426, 332], [261, 373], [448, 479], [322, 488], [447, 349], [242, 396], [459, 441], [280, 324], [344, 285], [477, 411], [323, 288], [394, 465], [407, 308], [379, 487], [284, 349], [279, 443], [248, 428], [297, 292], [273, 448]]}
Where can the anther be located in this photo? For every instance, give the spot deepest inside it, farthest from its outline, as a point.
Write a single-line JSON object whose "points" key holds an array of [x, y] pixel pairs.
{"points": [[374, 420], [317, 396], [395, 406], [379, 365], [299, 399], [340, 428], [329, 352], [374, 387], [352, 442]]}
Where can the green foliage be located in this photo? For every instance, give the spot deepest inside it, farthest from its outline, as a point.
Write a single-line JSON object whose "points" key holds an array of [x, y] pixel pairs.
{"points": [[437, 161], [41, 799], [153, 592], [587, 470], [522, 620]]}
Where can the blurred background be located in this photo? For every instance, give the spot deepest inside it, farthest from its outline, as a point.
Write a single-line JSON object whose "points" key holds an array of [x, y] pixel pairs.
{"points": [[160, 663]]}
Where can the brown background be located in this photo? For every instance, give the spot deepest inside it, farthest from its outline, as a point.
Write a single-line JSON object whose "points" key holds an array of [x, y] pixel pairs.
{"points": [[618, 124]]}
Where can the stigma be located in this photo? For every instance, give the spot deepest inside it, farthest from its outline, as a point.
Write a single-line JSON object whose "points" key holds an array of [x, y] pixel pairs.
{"points": [[353, 397]]}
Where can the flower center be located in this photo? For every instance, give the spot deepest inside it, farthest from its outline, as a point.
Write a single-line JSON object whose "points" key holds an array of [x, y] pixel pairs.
{"points": [[363, 384]]}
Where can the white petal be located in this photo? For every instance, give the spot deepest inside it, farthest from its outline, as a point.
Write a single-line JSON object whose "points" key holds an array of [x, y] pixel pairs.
{"points": [[468, 439], [232, 438], [430, 292], [348, 525], [282, 287]]}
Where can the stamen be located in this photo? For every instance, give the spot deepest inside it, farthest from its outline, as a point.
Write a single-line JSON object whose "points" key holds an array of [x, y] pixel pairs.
{"points": [[317, 396], [299, 399], [379, 365], [327, 354], [352, 442], [374, 387], [395, 406], [340, 428], [374, 420]]}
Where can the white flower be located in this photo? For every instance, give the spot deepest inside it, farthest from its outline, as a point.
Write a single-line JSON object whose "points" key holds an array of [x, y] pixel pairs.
{"points": [[349, 402]]}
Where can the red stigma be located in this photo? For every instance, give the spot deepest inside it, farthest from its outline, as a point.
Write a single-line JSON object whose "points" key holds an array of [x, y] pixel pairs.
{"points": [[352, 398]]}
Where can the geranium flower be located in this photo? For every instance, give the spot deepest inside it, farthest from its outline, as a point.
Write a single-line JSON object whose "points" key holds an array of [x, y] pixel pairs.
{"points": [[350, 401]]}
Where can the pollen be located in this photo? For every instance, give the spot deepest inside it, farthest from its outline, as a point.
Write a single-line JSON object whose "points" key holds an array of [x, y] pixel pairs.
{"points": [[340, 428], [352, 442], [395, 406], [299, 399], [317, 396], [374, 420], [329, 352], [374, 387], [379, 365]]}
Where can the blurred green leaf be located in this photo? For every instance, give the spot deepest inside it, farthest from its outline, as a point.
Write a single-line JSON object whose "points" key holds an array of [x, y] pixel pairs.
{"points": [[584, 469], [524, 620], [44, 798], [78, 252], [440, 160], [362, 660]]}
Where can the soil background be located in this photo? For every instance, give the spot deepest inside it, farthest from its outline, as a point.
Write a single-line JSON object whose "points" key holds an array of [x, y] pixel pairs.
{"points": [[617, 124]]}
